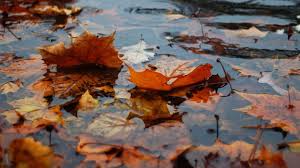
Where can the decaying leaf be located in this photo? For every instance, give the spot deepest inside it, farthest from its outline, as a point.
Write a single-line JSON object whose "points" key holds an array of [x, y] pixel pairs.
{"points": [[53, 10], [235, 154], [86, 49], [10, 87], [27, 152], [138, 53], [87, 102], [251, 32], [293, 146], [116, 155], [149, 79], [33, 108], [112, 125], [275, 108]]}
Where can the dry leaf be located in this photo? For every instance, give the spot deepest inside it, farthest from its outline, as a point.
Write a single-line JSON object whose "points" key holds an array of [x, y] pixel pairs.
{"points": [[27, 152], [86, 49]]}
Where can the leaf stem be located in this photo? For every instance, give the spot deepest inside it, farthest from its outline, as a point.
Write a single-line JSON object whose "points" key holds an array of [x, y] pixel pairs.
{"points": [[226, 76]]}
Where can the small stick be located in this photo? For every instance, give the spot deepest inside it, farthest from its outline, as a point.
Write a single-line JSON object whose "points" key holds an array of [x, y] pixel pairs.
{"points": [[217, 117], [226, 76], [290, 106]]}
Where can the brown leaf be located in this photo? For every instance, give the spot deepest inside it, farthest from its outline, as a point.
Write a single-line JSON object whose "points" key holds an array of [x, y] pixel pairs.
{"points": [[86, 49]]}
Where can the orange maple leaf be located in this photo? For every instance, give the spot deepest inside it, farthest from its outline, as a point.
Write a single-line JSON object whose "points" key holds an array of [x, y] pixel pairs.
{"points": [[86, 49], [149, 79]]}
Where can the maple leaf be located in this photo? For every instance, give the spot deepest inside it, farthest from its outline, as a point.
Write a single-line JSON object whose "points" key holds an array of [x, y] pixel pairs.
{"points": [[138, 53], [150, 79], [27, 152], [275, 108], [86, 49]]}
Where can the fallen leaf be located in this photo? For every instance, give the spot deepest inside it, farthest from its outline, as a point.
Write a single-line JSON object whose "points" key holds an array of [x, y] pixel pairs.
{"points": [[53, 10], [172, 17], [86, 49], [116, 155], [10, 87], [294, 72], [149, 79], [87, 102], [270, 158], [138, 53], [275, 108], [33, 108], [251, 32], [27, 152], [112, 125], [234, 154], [25, 68], [293, 146]]}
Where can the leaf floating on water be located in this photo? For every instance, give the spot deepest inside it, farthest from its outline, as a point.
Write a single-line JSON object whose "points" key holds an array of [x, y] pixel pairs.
{"points": [[251, 32], [27, 152], [275, 108], [10, 87], [149, 79], [87, 102], [53, 10], [138, 53], [86, 49]]}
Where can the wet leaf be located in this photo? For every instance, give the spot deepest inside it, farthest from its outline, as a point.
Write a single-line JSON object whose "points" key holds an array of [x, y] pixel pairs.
{"points": [[138, 53], [112, 125], [52, 10], [33, 108], [293, 146], [149, 79], [251, 32], [25, 68], [86, 49], [275, 108], [10, 87], [27, 152], [87, 102]]}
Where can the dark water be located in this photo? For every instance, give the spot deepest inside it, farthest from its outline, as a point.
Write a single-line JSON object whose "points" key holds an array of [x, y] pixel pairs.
{"points": [[219, 23]]}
